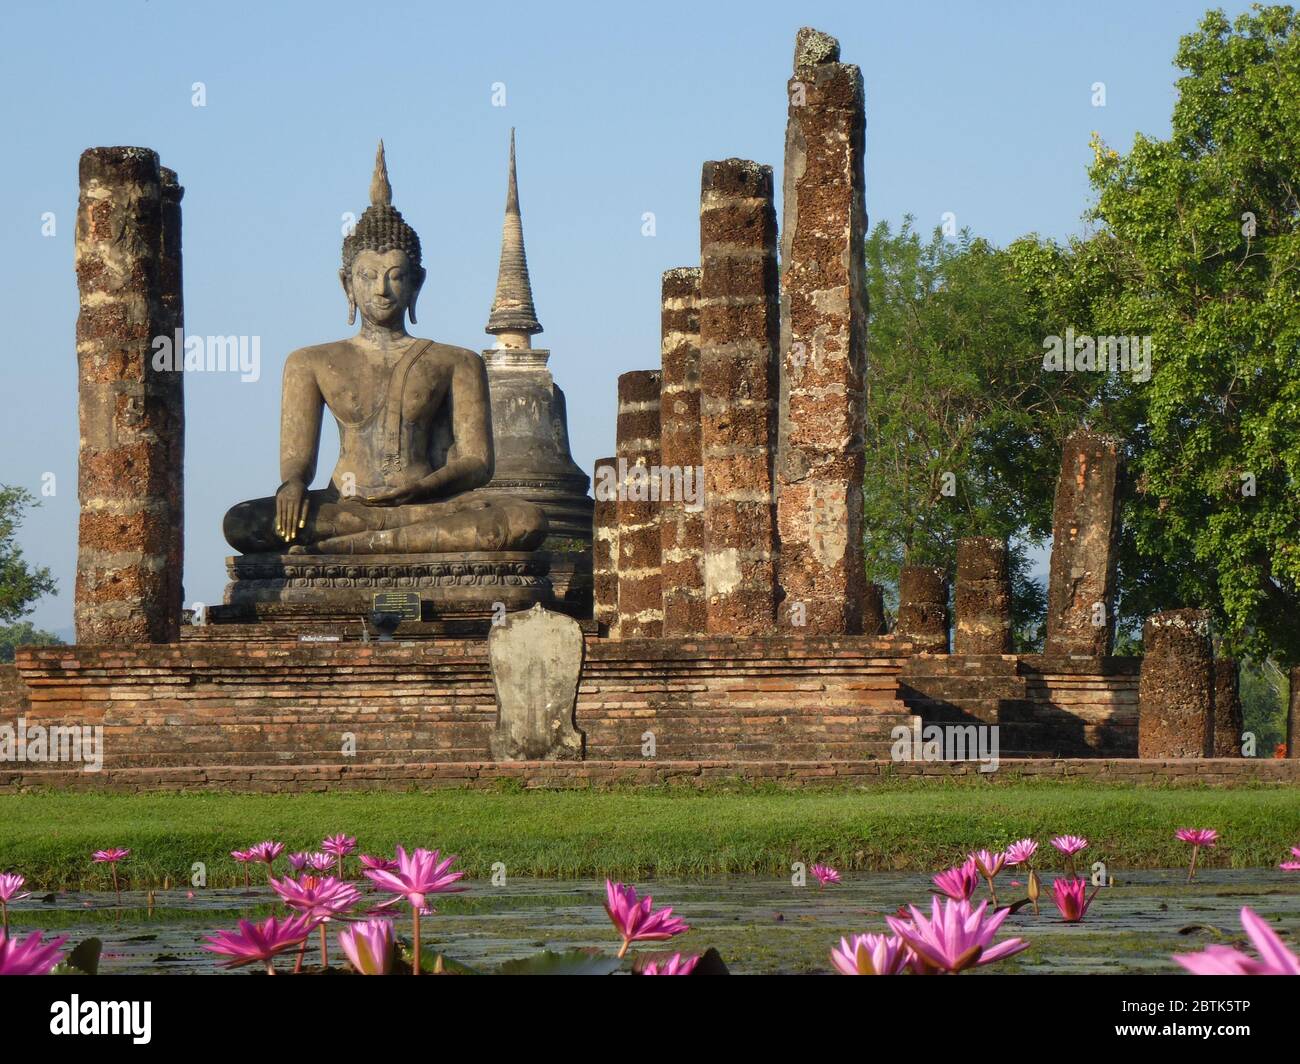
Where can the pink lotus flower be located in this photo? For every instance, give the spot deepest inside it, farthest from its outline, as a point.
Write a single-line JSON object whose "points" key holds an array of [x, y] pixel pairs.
{"points": [[1070, 845], [1274, 957], [261, 942], [989, 865], [266, 852], [10, 884], [1019, 853], [29, 956], [110, 857], [1291, 866], [339, 845], [377, 864], [321, 898], [1198, 837], [297, 862], [871, 955], [1072, 899], [634, 919], [825, 874], [320, 862], [245, 858], [368, 946], [955, 937], [418, 874], [958, 883], [673, 966]]}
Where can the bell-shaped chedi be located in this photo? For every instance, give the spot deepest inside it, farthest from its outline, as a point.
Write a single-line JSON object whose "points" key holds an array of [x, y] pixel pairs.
{"points": [[530, 426]]}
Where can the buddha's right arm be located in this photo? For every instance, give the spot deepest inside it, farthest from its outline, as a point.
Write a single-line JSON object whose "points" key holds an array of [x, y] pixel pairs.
{"points": [[301, 405]]}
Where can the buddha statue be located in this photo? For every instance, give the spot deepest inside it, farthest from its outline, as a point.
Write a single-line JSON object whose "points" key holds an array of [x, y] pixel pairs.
{"points": [[414, 422]]}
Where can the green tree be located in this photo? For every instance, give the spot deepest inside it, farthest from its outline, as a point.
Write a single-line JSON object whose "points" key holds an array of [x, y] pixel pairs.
{"points": [[20, 584], [964, 429], [1202, 231]]}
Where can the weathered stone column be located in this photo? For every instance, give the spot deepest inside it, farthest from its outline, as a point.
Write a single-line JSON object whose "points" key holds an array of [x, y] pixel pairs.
{"points": [[1085, 547], [823, 342], [640, 595], [1228, 722], [1176, 688], [923, 607], [739, 333], [131, 415], [873, 610], [983, 597], [604, 545], [681, 510]]}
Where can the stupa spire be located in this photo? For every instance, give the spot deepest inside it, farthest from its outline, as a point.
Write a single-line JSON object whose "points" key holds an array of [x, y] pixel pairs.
{"points": [[513, 319]]}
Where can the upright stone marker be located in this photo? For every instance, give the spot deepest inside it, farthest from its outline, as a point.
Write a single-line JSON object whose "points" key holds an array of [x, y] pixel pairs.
{"points": [[131, 414], [820, 462], [604, 546], [1176, 688], [739, 334], [640, 589], [681, 506], [923, 607], [873, 610], [983, 597], [1085, 548], [536, 661], [1228, 718]]}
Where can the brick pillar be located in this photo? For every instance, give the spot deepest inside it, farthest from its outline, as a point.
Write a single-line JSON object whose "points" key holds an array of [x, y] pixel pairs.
{"points": [[1085, 548], [640, 596], [873, 610], [604, 544], [739, 334], [983, 597], [681, 520], [131, 418], [1176, 687], [822, 401], [1228, 722], [923, 607]]}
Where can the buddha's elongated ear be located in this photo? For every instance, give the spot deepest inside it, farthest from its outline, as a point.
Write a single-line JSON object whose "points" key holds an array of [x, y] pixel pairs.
{"points": [[345, 279], [420, 275]]}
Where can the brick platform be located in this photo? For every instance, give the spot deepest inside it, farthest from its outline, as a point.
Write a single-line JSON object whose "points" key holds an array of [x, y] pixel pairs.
{"points": [[227, 704], [604, 775]]}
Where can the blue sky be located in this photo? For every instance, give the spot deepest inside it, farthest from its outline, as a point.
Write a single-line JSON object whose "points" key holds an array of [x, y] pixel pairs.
{"points": [[982, 109]]}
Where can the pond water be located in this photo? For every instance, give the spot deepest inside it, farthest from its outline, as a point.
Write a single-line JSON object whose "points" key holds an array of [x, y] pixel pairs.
{"points": [[759, 925]]}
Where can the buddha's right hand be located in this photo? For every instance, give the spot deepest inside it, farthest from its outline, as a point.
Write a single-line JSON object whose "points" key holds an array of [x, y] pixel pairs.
{"points": [[290, 509]]}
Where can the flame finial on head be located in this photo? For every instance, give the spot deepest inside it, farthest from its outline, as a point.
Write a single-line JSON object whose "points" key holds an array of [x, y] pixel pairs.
{"points": [[381, 192]]}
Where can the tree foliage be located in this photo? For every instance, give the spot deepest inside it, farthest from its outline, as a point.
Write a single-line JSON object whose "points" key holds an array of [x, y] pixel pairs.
{"points": [[1203, 233], [20, 584]]}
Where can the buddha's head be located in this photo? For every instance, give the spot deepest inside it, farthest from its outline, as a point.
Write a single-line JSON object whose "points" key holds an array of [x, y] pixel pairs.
{"points": [[381, 271]]}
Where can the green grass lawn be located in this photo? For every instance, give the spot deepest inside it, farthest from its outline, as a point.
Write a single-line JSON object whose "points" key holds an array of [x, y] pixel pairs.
{"points": [[638, 834]]}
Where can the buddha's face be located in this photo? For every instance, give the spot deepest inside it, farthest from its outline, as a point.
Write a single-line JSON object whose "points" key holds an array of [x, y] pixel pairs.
{"points": [[383, 284]]}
